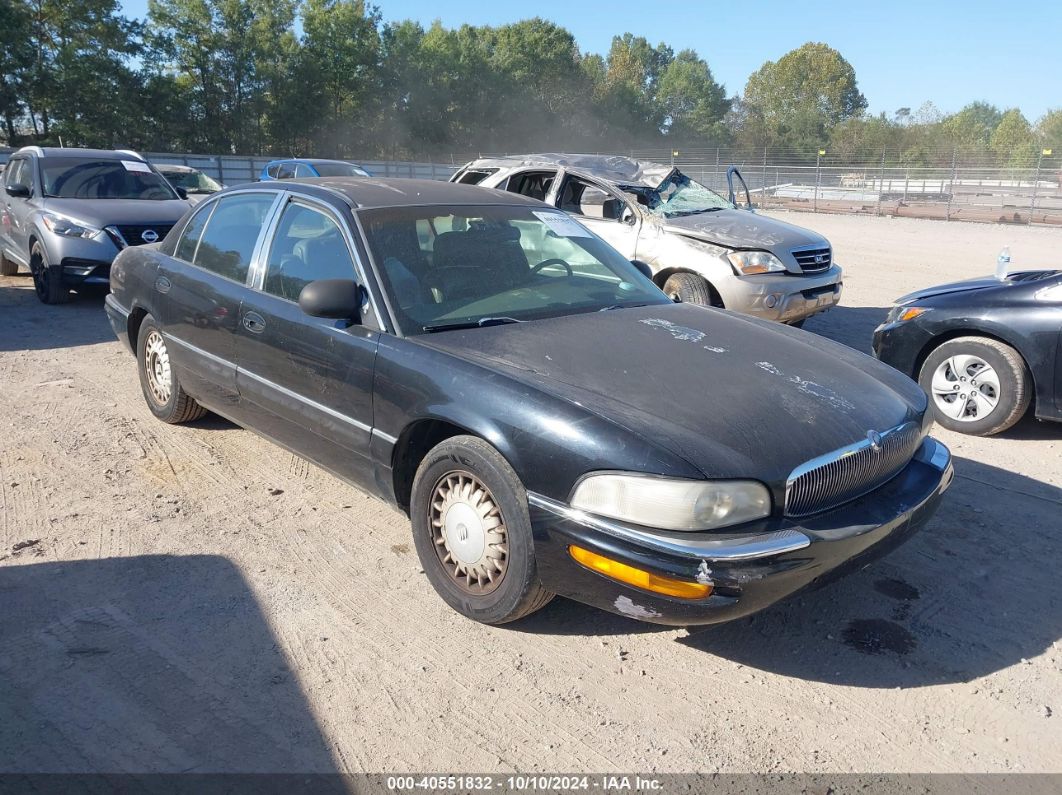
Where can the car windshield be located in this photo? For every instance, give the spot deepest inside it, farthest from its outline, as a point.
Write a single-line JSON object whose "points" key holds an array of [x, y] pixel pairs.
{"points": [[192, 181], [454, 267], [89, 178], [340, 170], [679, 195]]}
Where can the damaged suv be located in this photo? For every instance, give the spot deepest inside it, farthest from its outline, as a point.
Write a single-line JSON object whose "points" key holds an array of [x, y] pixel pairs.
{"points": [[702, 248]]}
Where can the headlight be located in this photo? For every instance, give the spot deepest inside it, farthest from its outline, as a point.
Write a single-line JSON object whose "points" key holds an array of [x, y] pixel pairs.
{"points": [[672, 504], [66, 227], [901, 313], [752, 262]]}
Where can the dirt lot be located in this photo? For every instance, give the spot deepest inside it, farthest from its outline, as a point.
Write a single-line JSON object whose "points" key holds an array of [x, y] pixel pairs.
{"points": [[197, 599]]}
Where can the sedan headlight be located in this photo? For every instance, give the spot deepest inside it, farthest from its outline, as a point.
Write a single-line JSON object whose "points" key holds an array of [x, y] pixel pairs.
{"points": [[672, 504], [901, 313], [752, 262], [68, 228]]}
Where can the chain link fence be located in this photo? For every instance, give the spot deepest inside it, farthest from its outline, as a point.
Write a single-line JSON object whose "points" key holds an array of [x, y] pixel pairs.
{"points": [[965, 189]]}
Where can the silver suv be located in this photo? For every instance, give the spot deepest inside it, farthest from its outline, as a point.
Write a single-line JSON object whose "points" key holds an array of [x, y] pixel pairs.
{"points": [[701, 248], [66, 213]]}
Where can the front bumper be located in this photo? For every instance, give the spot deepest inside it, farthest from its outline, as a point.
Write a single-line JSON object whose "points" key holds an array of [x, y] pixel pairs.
{"points": [[899, 345], [748, 572], [784, 297]]}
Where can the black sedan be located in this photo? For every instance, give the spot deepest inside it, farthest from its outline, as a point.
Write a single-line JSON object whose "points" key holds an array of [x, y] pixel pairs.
{"points": [[983, 349], [549, 420]]}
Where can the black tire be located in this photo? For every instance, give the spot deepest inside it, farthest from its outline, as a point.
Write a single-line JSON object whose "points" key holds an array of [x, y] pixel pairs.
{"points": [[8, 267], [689, 288], [516, 591], [1015, 385], [178, 406], [47, 278]]}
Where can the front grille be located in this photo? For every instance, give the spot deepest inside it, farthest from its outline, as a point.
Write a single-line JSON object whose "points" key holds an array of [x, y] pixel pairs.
{"points": [[813, 260], [846, 474], [133, 234]]}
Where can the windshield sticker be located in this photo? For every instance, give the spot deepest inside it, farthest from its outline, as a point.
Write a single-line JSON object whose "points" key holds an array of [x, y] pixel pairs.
{"points": [[561, 224], [136, 165]]}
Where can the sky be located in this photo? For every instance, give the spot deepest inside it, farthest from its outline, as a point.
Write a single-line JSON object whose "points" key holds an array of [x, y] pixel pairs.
{"points": [[904, 53]]}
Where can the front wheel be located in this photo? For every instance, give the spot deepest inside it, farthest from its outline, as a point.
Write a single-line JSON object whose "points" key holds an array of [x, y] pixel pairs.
{"points": [[689, 288], [472, 532], [977, 385], [47, 278], [162, 391]]}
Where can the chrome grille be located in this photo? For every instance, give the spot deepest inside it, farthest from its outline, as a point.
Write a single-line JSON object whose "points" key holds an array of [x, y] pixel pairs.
{"points": [[813, 260], [846, 474]]}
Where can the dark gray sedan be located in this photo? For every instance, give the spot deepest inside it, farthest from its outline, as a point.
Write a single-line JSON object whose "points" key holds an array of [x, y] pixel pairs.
{"points": [[549, 420]]}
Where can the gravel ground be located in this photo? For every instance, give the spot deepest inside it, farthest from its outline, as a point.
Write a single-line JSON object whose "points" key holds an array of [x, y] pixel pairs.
{"points": [[197, 599]]}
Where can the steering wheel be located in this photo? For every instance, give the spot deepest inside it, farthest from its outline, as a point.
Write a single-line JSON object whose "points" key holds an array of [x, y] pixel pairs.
{"points": [[552, 261]]}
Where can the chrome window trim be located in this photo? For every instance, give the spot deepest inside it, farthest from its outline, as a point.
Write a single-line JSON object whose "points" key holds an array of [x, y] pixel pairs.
{"points": [[761, 545]]}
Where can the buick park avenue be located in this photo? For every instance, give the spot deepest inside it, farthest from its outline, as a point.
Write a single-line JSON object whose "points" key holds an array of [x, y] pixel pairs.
{"points": [[550, 421], [701, 248]]}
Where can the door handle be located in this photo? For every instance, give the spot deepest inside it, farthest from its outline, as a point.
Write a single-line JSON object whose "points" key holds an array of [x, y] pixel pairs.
{"points": [[162, 284], [254, 322]]}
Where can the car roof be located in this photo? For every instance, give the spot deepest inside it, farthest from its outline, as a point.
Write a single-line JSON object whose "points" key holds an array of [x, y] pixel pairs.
{"points": [[372, 192], [70, 151], [611, 168], [311, 161]]}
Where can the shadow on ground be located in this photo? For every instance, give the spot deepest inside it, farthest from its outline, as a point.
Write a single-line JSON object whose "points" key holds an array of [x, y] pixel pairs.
{"points": [[31, 325], [154, 664], [975, 592]]}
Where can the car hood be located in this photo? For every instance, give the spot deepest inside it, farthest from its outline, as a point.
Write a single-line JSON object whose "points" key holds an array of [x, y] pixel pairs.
{"points": [[734, 396], [1014, 280], [743, 229], [103, 212]]}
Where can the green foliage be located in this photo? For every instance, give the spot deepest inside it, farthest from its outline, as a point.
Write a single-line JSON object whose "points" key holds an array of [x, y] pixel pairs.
{"points": [[796, 101], [332, 78]]}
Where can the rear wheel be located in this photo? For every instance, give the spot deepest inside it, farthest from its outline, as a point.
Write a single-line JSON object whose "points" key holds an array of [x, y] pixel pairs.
{"points": [[162, 391], [977, 385], [689, 288], [472, 532], [47, 278]]}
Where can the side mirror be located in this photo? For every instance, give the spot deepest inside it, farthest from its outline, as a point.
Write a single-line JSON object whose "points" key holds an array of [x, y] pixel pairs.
{"points": [[643, 268], [339, 299], [21, 191], [182, 192]]}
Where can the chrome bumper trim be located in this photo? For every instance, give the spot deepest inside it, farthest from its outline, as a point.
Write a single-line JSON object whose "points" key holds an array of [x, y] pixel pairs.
{"points": [[762, 545]]}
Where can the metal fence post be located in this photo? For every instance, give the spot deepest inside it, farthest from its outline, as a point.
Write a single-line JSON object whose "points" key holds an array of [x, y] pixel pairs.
{"points": [[1036, 185], [815, 200], [906, 182], [881, 179], [221, 171], [763, 180], [951, 186]]}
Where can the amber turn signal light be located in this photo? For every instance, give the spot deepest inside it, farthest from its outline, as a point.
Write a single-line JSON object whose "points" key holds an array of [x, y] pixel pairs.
{"points": [[639, 578]]}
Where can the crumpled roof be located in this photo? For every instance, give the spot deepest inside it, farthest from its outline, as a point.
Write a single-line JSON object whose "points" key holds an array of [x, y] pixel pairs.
{"points": [[611, 168]]}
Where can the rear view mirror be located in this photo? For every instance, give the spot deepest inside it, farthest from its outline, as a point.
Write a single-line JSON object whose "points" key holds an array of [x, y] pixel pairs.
{"points": [[339, 299], [643, 268], [183, 193], [21, 191]]}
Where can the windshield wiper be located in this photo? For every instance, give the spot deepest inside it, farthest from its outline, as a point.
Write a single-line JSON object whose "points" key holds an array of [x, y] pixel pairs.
{"points": [[483, 321], [619, 306], [697, 212]]}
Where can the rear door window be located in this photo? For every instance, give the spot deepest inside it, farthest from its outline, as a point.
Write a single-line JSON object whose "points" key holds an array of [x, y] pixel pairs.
{"points": [[534, 184], [228, 242]]}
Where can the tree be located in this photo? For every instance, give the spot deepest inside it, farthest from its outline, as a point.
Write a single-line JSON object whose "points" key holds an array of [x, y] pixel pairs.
{"points": [[970, 130], [16, 53], [693, 103], [1049, 128], [1013, 141], [796, 100]]}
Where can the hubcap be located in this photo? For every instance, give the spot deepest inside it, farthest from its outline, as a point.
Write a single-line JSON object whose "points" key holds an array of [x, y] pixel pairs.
{"points": [[965, 388], [469, 532], [157, 365]]}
